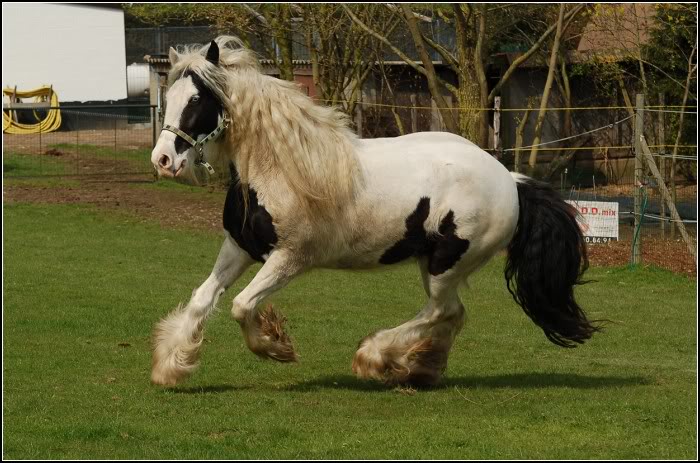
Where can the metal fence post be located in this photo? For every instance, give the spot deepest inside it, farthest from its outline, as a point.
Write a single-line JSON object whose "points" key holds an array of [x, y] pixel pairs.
{"points": [[77, 143], [153, 123], [114, 153], [638, 177], [41, 160]]}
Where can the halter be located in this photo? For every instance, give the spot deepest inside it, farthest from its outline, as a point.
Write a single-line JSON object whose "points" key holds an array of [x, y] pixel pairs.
{"points": [[199, 145]]}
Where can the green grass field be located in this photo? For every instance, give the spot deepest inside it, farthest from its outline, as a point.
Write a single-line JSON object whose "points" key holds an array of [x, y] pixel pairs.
{"points": [[141, 155], [82, 291], [18, 164], [21, 164]]}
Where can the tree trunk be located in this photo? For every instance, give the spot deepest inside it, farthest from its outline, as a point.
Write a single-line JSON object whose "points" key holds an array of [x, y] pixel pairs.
{"points": [[468, 98], [567, 99], [469, 92], [547, 88], [691, 69], [310, 25], [481, 77], [431, 74], [283, 36], [661, 137], [519, 138]]}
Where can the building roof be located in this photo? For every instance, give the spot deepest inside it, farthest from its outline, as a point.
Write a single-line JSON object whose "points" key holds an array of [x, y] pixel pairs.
{"points": [[614, 33], [617, 29], [113, 6]]}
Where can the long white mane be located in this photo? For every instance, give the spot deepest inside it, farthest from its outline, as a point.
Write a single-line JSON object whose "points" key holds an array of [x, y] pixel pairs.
{"points": [[277, 132]]}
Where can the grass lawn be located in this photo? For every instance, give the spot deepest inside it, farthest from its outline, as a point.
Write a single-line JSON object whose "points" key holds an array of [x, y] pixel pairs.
{"points": [[135, 154], [28, 165], [19, 164], [82, 291]]}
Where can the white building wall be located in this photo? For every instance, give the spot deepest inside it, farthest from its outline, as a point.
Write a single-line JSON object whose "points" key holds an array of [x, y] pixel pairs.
{"points": [[78, 49]]}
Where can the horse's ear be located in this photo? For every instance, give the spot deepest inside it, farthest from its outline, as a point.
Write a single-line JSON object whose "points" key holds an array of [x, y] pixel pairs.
{"points": [[174, 57], [213, 53]]}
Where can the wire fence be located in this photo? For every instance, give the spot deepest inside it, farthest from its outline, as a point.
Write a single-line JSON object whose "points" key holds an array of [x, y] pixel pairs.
{"points": [[92, 140], [594, 161]]}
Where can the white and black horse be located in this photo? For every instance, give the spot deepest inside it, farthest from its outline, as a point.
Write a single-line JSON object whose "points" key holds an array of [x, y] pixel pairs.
{"points": [[308, 193]]}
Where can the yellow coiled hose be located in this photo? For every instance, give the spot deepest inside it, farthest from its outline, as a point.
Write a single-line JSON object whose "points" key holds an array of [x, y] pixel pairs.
{"points": [[51, 122]]}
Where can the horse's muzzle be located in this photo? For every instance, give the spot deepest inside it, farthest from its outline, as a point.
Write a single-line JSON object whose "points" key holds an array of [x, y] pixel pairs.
{"points": [[168, 170]]}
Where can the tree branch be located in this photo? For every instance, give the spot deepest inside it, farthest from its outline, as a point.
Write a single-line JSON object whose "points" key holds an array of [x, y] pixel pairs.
{"points": [[536, 46], [395, 49]]}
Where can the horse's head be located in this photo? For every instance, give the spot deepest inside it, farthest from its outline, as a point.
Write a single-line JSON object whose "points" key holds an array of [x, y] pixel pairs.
{"points": [[194, 119]]}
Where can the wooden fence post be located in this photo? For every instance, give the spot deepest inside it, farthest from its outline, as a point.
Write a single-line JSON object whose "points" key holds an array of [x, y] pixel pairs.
{"points": [[414, 113], [358, 114]]}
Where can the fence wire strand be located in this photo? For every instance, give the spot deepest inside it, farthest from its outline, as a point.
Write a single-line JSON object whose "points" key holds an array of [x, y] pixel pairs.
{"points": [[608, 126], [110, 140]]}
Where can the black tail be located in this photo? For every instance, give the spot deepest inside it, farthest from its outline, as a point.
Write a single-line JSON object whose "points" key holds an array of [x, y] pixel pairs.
{"points": [[546, 258]]}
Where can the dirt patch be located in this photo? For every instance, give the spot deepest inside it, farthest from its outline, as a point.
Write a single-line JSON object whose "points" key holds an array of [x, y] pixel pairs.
{"points": [[202, 210], [665, 253], [53, 152], [682, 190], [36, 143], [129, 195]]}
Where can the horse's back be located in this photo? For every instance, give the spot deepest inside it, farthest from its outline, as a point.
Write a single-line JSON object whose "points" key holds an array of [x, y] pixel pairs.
{"points": [[430, 177], [437, 164]]}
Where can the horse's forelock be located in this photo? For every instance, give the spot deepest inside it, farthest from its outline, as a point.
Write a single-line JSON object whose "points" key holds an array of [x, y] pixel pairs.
{"points": [[232, 55]]}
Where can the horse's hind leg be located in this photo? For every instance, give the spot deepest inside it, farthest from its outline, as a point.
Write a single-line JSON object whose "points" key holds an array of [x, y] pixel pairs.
{"points": [[178, 337], [415, 352]]}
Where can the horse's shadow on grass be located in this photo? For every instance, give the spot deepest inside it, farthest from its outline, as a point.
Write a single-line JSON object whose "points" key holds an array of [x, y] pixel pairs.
{"points": [[213, 389], [511, 380]]}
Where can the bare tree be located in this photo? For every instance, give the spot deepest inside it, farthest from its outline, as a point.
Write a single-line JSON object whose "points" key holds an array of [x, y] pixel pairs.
{"points": [[468, 60], [547, 88]]}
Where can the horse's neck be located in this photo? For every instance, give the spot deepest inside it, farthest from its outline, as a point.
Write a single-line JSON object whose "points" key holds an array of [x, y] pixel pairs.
{"points": [[282, 138]]}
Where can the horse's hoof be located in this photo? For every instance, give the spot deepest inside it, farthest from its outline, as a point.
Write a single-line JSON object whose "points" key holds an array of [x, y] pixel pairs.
{"points": [[161, 378], [267, 337], [175, 349], [420, 364]]}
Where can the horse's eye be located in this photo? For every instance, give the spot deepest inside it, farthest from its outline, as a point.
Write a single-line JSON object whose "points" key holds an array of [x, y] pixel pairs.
{"points": [[195, 98]]}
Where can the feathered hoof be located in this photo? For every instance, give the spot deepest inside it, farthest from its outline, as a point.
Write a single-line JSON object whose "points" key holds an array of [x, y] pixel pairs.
{"points": [[420, 364], [175, 350], [165, 373], [265, 336]]}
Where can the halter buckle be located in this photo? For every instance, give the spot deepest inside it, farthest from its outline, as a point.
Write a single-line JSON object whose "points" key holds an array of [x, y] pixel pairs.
{"points": [[207, 166]]}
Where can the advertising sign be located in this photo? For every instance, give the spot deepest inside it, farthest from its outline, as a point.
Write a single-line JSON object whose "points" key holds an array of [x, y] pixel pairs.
{"points": [[598, 220]]}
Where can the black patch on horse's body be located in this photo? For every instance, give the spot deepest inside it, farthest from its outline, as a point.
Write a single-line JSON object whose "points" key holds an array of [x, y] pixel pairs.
{"points": [[448, 247], [443, 250], [201, 115], [415, 238], [252, 230]]}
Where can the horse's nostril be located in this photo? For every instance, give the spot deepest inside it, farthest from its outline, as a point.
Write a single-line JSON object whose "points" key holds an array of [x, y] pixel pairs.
{"points": [[164, 161]]}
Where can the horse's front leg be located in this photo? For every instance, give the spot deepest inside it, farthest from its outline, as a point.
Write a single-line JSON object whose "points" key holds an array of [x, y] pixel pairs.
{"points": [[178, 337], [264, 330]]}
